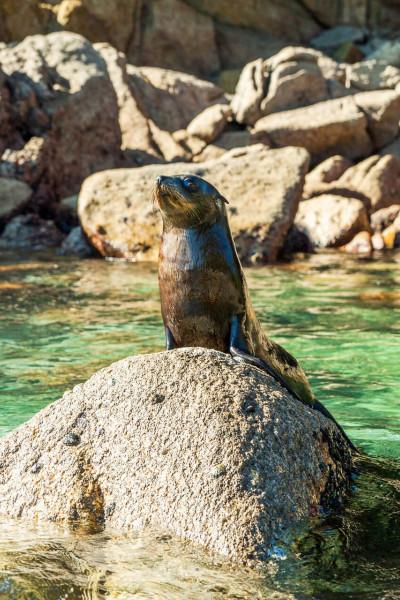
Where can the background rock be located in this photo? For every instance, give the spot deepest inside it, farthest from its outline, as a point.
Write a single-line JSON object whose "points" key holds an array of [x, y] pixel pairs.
{"points": [[188, 441], [170, 33], [384, 217], [116, 213], [369, 75], [63, 87], [62, 92], [360, 244], [30, 231], [292, 78], [330, 220], [175, 36], [393, 148], [377, 178], [14, 196], [210, 123], [326, 128], [76, 244], [382, 109], [172, 99], [327, 171]]}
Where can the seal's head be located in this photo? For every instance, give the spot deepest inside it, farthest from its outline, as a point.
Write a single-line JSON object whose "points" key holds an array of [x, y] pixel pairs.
{"points": [[188, 201]]}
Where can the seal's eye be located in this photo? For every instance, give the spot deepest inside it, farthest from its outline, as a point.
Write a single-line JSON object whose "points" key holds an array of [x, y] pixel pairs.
{"points": [[190, 185]]}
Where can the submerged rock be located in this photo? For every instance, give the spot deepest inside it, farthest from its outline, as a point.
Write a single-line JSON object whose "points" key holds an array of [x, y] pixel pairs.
{"points": [[188, 441]]}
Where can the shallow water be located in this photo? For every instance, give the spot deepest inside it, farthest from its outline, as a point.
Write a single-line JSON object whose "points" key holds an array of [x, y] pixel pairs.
{"points": [[62, 320]]}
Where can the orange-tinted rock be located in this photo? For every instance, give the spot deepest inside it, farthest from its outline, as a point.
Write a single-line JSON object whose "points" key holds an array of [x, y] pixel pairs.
{"points": [[360, 244], [377, 241]]}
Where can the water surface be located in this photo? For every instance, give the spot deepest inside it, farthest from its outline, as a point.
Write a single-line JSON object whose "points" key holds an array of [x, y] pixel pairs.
{"points": [[61, 320]]}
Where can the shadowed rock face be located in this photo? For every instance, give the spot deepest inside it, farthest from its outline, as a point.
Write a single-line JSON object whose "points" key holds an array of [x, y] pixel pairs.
{"points": [[190, 441]]}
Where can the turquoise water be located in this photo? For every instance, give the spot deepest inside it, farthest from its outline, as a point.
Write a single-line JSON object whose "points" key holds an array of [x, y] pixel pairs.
{"points": [[62, 320]]}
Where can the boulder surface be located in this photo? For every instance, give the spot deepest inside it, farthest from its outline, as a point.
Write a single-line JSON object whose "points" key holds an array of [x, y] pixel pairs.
{"points": [[331, 220], [188, 441], [263, 188]]}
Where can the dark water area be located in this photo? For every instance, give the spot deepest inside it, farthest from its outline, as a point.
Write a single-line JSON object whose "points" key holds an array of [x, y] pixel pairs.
{"points": [[61, 320]]}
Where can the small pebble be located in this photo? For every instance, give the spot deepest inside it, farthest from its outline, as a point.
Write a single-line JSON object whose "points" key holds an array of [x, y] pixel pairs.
{"points": [[72, 439], [36, 468], [218, 470]]}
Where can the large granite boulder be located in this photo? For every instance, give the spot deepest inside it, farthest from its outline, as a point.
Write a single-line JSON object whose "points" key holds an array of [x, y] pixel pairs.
{"points": [[286, 19], [188, 441], [327, 171], [324, 129], [353, 126], [62, 92], [78, 108], [263, 187], [292, 78], [330, 220], [377, 178], [175, 36]]}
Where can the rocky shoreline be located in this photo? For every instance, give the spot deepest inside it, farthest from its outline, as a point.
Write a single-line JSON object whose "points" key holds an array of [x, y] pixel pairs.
{"points": [[307, 150]]}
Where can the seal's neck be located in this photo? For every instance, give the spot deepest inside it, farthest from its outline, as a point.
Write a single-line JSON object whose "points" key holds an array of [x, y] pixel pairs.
{"points": [[197, 247]]}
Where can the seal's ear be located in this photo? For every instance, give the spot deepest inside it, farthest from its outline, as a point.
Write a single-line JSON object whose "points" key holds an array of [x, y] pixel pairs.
{"points": [[220, 197]]}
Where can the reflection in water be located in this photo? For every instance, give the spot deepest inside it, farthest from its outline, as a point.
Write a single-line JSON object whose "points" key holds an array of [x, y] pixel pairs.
{"points": [[50, 563], [62, 320]]}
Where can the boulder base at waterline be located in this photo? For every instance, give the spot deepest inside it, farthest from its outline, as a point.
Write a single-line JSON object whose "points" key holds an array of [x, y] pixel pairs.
{"points": [[189, 441]]}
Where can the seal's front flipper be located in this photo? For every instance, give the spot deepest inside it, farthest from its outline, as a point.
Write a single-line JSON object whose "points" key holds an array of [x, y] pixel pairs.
{"points": [[170, 343]]}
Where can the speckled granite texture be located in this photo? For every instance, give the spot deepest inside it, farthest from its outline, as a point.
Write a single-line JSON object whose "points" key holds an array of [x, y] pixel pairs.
{"points": [[189, 441]]}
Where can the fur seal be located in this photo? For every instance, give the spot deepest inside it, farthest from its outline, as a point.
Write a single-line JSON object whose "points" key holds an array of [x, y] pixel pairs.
{"points": [[204, 296]]}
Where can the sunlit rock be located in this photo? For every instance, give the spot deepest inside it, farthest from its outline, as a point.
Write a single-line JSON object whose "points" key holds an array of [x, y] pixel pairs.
{"points": [[188, 441], [263, 188]]}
